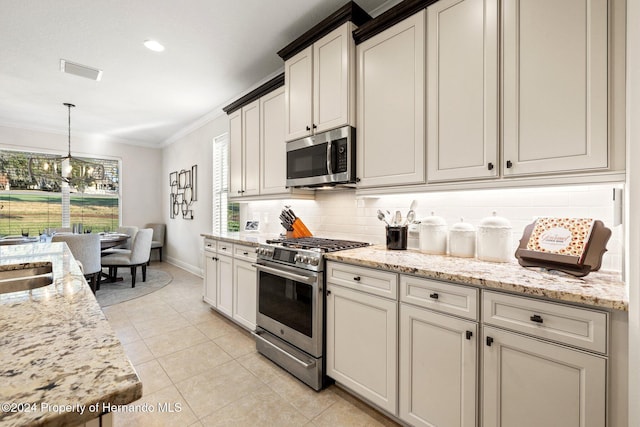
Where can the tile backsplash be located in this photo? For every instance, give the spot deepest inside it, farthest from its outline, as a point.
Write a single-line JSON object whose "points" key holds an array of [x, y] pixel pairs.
{"points": [[339, 214]]}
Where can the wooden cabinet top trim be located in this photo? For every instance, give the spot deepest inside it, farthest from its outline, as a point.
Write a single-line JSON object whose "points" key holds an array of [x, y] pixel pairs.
{"points": [[389, 18], [349, 12], [255, 94]]}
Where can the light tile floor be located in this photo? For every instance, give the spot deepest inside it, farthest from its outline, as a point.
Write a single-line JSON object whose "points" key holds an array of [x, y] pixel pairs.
{"points": [[200, 369]]}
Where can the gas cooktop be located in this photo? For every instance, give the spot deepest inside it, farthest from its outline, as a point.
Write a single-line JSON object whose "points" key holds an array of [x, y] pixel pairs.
{"points": [[317, 243]]}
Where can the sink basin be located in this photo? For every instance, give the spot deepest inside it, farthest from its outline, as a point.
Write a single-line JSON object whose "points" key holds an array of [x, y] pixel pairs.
{"points": [[24, 277]]}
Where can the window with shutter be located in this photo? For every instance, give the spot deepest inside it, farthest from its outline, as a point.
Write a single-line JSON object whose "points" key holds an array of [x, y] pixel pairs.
{"points": [[226, 215]]}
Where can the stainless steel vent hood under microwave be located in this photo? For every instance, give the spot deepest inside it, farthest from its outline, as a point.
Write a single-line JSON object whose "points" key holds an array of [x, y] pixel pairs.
{"points": [[324, 159]]}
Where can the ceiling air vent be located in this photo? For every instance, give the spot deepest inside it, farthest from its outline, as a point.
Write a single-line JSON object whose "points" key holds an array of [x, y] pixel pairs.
{"points": [[80, 70]]}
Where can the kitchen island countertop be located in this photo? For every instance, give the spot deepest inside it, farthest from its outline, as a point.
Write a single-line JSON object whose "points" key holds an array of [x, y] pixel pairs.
{"points": [[60, 358], [598, 289]]}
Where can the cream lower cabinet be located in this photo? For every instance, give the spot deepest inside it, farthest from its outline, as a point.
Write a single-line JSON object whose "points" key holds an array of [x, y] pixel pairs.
{"points": [[362, 344], [532, 383], [244, 287], [225, 285], [428, 360], [391, 105], [230, 281], [210, 288], [438, 353], [438, 368], [530, 375]]}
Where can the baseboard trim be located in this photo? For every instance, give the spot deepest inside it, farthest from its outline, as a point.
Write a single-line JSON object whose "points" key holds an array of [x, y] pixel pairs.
{"points": [[185, 266]]}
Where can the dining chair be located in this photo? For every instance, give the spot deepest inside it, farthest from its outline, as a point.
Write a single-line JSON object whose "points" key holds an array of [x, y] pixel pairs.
{"points": [[134, 258], [157, 242], [129, 230], [85, 248]]}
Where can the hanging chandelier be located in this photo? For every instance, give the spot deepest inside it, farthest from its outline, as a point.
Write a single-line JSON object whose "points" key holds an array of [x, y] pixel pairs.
{"points": [[77, 172]]}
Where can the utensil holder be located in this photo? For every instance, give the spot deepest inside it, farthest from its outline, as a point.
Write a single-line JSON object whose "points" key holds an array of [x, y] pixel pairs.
{"points": [[397, 237]]}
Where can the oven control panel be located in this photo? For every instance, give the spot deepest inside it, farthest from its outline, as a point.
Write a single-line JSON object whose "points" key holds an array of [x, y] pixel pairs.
{"points": [[308, 259]]}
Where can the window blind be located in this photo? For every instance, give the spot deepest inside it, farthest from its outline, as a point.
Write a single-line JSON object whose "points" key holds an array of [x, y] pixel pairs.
{"points": [[220, 182]]}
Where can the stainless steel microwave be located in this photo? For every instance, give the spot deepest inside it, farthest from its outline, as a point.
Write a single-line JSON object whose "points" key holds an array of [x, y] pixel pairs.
{"points": [[324, 159]]}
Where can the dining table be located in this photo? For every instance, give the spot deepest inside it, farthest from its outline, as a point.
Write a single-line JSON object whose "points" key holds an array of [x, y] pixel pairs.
{"points": [[110, 240]]}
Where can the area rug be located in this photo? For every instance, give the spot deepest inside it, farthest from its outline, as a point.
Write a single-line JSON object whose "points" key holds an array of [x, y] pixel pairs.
{"points": [[114, 293]]}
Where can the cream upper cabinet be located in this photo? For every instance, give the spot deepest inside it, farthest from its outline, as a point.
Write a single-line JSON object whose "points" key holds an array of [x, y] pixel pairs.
{"points": [[391, 105], [532, 383], [554, 86], [462, 88], [334, 86], [251, 148], [257, 155], [244, 152], [272, 146], [235, 153], [319, 85], [298, 83]]}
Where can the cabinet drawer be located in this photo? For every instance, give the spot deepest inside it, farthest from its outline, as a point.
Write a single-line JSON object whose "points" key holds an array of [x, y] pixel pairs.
{"points": [[225, 248], [364, 279], [440, 296], [247, 253], [579, 327], [210, 245]]}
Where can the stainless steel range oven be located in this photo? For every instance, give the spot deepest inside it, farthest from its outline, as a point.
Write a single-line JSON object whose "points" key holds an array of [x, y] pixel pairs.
{"points": [[291, 304]]}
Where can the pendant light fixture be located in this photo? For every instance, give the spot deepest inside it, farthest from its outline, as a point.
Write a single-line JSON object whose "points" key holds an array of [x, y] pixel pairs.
{"points": [[77, 172]]}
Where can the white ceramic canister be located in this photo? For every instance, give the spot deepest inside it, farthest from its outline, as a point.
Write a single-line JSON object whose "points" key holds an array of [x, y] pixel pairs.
{"points": [[494, 239], [433, 235], [462, 240]]}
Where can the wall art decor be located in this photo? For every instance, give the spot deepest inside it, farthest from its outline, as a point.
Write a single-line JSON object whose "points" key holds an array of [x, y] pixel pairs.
{"points": [[183, 193]]}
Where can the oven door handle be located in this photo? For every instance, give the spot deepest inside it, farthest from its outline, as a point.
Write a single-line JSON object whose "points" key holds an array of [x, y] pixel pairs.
{"points": [[297, 277], [290, 356], [329, 158]]}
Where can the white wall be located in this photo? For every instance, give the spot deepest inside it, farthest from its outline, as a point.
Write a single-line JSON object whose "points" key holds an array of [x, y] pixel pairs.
{"points": [[140, 166], [184, 244], [338, 214]]}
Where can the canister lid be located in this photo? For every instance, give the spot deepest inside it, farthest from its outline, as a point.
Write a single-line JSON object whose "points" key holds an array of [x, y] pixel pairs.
{"points": [[462, 226], [433, 220], [495, 221]]}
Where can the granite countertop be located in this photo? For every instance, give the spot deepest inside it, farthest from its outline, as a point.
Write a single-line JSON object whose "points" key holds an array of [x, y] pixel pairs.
{"points": [[59, 354], [249, 239], [598, 289]]}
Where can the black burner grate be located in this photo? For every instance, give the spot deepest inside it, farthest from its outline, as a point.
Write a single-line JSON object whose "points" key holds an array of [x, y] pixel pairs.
{"points": [[325, 245]]}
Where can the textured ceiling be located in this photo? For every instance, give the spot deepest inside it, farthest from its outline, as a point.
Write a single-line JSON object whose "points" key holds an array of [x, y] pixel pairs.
{"points": [[215, 50]]}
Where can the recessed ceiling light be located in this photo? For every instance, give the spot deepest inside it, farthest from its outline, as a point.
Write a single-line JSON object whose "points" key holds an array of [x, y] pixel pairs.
{"points": [[153, 45]]}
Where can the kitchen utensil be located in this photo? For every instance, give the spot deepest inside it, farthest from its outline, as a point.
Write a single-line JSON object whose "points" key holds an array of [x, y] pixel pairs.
{"points": [[433, 235], [494, 239], [397, 219], [382, 217], [462, 240], [411, 215]]}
